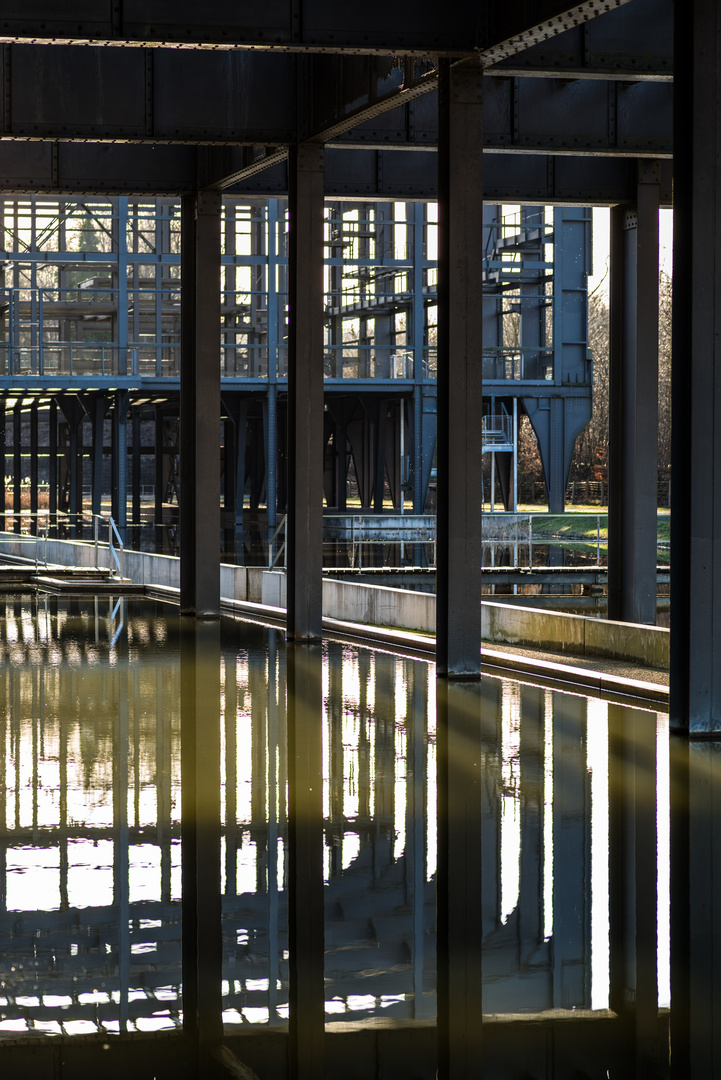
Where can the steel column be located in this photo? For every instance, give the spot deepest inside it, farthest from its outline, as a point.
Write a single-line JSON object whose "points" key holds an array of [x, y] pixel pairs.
{"points": [[633, 866], [305, 863], [100, 407], [2, 465], [202, 949], [696, 391], [200, 406], [305, 392], [459, 882], [633, 411], [120, 461], [136, 467], [53, 467], [17, 465], [34, 468], [460, 318]]}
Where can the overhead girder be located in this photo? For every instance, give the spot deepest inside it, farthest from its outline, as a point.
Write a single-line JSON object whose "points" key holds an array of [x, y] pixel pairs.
{"points": [[153, 95], [376, 26], [547, 114], [632, 42], [73, 168]]}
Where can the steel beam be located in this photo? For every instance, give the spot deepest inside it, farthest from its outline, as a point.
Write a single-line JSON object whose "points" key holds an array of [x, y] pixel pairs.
{"points": [[460, 163], [695, 682], [305, 394], [200, 406], [544, 176], [633, 407], [399, 28]]}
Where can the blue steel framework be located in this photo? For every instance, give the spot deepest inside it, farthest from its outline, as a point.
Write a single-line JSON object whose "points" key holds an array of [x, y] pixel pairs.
{"points": [[71, 268]]}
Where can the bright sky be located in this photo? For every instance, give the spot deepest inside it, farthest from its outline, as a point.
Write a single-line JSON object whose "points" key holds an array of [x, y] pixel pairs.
{"points": [[601, 227]]}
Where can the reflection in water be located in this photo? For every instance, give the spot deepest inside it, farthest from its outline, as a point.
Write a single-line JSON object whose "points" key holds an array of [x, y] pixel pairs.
{"points": [[96, 937]]}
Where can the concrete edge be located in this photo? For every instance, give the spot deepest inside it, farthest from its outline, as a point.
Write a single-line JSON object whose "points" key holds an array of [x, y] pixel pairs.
{"points": [[566, 675]]}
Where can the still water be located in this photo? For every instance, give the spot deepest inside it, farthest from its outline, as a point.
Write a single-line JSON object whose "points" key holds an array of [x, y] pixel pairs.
{"points": [[93, 785]]}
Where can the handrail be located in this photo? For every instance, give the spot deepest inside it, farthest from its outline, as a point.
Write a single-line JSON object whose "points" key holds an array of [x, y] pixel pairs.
{"points": [[281, 550], [119, 562]]}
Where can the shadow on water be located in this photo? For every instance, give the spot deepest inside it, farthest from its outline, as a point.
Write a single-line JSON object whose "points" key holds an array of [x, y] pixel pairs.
{"points": [[367, 882]]}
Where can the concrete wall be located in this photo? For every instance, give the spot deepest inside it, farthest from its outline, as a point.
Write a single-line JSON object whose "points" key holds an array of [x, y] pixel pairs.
{"points": [[377, 605], [578, 634]]}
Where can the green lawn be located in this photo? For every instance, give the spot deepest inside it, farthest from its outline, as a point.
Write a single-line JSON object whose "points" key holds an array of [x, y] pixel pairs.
{"points": [[583, 528]]}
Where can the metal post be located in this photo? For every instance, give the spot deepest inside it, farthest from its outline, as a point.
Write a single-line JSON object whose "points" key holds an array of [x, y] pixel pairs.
{"points": [[695, 680], [459, 883], [460, 175], [305, 393], [121, 239], [200, 406], [2, 465], [515, 455], [120, 462], [100, 405], [34, 468], [305, 863], [202, 950], [53, 466], [419, 220], [401, 412], [271, 464], [633, 420], [633, 876], [136, 474], [17, 465]]}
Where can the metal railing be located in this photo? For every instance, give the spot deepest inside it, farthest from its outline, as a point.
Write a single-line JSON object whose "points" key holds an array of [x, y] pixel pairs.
{"points": [[282, 550]]}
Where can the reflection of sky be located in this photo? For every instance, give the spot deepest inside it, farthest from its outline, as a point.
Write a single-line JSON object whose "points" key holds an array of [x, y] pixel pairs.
{"points": [[66, 773]]}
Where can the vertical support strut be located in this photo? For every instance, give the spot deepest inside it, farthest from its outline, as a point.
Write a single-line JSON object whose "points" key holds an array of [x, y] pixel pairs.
{"points": [[459, 882], [460, 318], [633, 418], [17, 465], [305, 863], [695, 681], [202, 947], [34, 468], [2, 465], [120, 461], [53, 467], [200, 406], [305, 393]]}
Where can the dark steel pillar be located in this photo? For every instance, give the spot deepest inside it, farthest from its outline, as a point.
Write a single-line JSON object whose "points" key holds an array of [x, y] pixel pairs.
{"points": [[305, 864], [159, 478], [17, 465], [633, 412], [459, 883], [136, 466], [120, 462], [460, 316], [633, 867], [305, 393], [2, 464], [53, 466], [696, 440], [100, 407], [200, 406], [202, 947], [34, 468]]}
